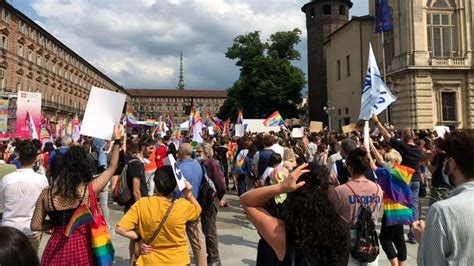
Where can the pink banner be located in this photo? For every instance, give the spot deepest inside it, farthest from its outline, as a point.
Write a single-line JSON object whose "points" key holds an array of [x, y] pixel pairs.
{"points": [[28, 114]]}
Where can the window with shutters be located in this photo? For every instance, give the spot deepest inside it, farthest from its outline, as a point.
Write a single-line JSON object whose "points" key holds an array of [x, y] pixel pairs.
{"points": [[4, 41], [20, 50]]}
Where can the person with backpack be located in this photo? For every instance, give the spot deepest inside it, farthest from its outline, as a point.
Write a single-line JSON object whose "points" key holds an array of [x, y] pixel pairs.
{"points": [[358, 201], [193, 172], [209, 215]]}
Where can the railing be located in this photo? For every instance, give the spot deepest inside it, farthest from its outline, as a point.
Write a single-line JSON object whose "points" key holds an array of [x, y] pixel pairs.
{"points": [[61, 107], [448, 61]]}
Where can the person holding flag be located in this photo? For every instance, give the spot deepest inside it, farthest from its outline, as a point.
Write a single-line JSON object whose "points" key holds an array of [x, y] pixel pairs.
{"points": [[274, 119]]}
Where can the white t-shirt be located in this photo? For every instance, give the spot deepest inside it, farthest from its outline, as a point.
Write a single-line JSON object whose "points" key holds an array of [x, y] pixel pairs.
{"points": [[19, 192]]}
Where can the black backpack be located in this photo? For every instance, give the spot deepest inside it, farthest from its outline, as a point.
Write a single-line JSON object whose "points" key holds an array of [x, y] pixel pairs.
{"points": [[207, 190], [366, 245]]}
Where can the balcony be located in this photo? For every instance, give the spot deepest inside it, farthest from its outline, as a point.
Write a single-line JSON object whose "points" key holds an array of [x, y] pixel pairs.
{"points": [[448, 62], [61, 107]]}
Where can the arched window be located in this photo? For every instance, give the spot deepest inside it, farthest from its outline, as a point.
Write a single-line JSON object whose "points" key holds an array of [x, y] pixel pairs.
{"points": [[441, 29]]}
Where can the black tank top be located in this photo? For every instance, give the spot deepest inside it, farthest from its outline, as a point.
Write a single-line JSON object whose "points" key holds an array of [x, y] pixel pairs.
{"points": [[62, 217]]}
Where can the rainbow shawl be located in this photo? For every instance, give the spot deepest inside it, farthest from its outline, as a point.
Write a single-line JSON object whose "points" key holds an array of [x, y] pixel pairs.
{"points": [[395, 183], [81, 216]]}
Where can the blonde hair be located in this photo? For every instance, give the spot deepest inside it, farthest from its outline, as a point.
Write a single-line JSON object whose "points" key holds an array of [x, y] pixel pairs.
{"points": [[393, 156], [288, 154]]}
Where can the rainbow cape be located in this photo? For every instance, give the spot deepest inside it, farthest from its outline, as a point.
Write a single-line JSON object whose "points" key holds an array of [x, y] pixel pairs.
{"points": [[239, 161], [81, 216], [395, 183], [274, 119]]}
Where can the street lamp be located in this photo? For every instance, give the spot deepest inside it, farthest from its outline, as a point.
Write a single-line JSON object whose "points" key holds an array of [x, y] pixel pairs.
{"points": [[328, 109]]}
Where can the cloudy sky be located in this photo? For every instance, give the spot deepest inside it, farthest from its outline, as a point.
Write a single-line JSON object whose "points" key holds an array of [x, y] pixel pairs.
{"points": [[137, 42]]}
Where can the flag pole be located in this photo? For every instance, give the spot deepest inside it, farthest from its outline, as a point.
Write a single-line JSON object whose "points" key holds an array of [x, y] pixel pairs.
{"points": [[384, 72]]}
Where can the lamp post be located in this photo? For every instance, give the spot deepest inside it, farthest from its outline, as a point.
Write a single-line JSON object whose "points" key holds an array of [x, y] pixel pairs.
{"points": [[328, 109]]}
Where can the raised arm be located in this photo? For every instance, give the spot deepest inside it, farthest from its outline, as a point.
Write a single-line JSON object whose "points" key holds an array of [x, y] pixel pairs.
{"points": [[272, 229], [377, 155], [100, 182], [381, 128]]}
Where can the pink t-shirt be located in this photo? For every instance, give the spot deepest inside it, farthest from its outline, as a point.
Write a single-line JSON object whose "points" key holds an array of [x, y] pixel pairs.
{"points": [[348, 205]]}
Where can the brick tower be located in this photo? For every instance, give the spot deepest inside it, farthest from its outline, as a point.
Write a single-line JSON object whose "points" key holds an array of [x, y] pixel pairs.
{"points": [[322, 18]]}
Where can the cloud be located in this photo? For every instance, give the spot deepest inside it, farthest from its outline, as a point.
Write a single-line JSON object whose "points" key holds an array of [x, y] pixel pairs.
{"points": [[137, 43]]}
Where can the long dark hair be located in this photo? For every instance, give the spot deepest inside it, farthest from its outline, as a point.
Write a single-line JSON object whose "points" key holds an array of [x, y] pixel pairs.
{"points": [[16, 249], [75, 171], [311, 221]]}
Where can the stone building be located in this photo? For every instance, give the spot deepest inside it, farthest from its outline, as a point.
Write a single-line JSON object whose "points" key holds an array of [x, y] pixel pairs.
{"points": [[151, 103], [429, 61], [347, 67], [32, 59], [322, 18]]}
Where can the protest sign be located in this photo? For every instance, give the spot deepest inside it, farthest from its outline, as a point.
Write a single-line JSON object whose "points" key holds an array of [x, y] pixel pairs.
{"points": [[315, 126], [211, 131], [239, 130], [297, 132], [441, 131], [197, 132], [103, 111], [28, 114], [177, 172], [348, 128]]}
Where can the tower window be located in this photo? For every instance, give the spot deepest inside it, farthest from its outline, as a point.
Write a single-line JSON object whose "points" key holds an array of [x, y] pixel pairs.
{"points": [[326, 10], [342, 10], [312, 12], [338, 69]]}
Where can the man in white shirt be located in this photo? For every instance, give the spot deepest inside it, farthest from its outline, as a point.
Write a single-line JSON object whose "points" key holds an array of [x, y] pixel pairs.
{"points": [[20, 191]]}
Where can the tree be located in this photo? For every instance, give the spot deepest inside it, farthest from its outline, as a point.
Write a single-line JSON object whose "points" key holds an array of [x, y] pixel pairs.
{"points": [[268, 81]]}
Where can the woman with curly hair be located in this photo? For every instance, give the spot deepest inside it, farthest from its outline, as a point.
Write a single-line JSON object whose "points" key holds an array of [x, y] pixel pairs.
{"points": [[69, 190], [304, 229]]}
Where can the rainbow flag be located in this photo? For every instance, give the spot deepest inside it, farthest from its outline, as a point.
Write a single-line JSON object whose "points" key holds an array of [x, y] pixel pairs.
{"points": [[395, 183], [81, 216], [274, 119], [150, 122], [226, 129], [240, 117], [213, 121], [239, 161], [194, 117], [170, 121]]}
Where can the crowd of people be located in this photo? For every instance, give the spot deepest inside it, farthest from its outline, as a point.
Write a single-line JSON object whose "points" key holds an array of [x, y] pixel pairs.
{"points": [[313, 200]]}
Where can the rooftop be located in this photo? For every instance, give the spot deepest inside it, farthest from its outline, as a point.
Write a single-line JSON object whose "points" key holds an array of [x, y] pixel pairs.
{"points": [[177, 93]]}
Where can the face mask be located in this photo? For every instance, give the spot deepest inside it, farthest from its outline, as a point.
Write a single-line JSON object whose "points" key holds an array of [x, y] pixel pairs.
{"points": [[447, 173], [199, 158]]}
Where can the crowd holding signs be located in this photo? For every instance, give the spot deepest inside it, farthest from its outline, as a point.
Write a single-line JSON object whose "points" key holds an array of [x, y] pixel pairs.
{"points": [[314, 196]]}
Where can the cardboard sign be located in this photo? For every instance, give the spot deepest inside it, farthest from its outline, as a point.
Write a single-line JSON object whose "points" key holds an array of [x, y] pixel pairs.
{"points": [[177, 172], [211, 131], [103, 112], [315, 126], [297, 132], [197, 133], [442, 130], [239, 130], [348, 128]]}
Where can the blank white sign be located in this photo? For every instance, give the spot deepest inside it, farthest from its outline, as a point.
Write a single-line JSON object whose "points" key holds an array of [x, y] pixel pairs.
{"points": [[102, 113]]}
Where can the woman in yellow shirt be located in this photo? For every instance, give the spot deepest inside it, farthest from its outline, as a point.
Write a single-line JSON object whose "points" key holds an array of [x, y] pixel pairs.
{"points": [[170, 247]]}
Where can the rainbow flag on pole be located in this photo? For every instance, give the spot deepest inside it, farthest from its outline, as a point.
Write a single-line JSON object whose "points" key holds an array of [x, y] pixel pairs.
{"points": [[194, 117], [81, 216], [240, 117], [213, 121], [226, 129], [395, 183], [170, 121], [274, 119]]}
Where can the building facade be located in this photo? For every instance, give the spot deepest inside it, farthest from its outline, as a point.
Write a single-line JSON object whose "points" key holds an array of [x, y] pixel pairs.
{"points": [[322, 18], [347, 67], [151, 103], [429, 63], [31, 59]]}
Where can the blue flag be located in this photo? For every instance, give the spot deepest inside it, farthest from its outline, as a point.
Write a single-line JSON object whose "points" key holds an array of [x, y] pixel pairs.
{"points": [[383, 17], [376, 97]]}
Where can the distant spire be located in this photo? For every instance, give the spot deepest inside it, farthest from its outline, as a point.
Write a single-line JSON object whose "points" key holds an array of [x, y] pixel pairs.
{"points": [[181, 75]]}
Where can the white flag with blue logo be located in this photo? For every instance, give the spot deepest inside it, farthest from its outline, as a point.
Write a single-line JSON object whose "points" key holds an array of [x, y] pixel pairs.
{"points": [[376, 97]]}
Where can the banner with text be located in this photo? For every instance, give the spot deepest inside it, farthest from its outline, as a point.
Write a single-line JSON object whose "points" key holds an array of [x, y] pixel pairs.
{"points": [[28, 114]]}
